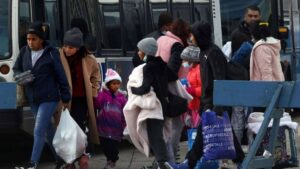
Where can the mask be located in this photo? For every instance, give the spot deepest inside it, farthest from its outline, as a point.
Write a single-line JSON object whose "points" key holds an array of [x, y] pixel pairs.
{"points": [[145, 58]]}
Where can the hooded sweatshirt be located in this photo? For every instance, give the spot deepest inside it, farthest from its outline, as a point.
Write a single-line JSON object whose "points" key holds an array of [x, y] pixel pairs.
{"points": [[265, 61]]}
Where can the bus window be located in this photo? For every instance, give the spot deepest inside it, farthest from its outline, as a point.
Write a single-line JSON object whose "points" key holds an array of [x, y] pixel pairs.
{"points": [[52, 18], [202, 10], [4, 27], [132, 25], [112, 27], [180, 9], [24, 21], [157, 7]]}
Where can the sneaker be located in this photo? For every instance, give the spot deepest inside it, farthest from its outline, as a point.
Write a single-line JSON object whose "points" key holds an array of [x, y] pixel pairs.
{"points": [[167, 165], [60, 164], [29, 165], [184, 165], [110, 165], [83, 162]]}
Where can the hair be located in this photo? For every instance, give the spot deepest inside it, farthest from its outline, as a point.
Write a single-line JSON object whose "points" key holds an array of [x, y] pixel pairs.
{"points": [[260, 30], [82, 52], [164, 19], [252, 8], [181, 29]]}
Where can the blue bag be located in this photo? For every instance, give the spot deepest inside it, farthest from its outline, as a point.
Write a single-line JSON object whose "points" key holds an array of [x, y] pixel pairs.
{"points": [[201, 164], [217, 137]]}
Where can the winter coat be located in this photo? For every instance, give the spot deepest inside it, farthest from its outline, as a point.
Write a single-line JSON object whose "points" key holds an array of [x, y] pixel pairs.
{"points": [[138, 109], [239, 35], [213, 65], [265, 61], [92, 78], [194, 78], [169, 48], [154, 75], [110, 118], [50, 83]]}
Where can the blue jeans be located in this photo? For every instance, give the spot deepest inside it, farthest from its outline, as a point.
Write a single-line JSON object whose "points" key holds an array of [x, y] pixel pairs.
{"points": [[43, 128]]}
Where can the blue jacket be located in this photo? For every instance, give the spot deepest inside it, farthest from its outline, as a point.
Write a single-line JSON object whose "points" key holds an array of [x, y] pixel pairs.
{"points": [[50, 83]]}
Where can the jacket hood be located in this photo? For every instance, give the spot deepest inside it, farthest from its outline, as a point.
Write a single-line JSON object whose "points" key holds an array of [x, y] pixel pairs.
{"points": [[273, 43]]}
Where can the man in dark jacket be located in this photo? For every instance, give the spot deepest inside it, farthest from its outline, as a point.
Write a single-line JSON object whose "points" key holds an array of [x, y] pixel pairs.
{"points": [[242, 33], [165, 21], [46, 87]]}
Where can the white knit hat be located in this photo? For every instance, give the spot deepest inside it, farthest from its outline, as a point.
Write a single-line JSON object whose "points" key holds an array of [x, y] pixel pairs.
{"points": [[111, 75]]}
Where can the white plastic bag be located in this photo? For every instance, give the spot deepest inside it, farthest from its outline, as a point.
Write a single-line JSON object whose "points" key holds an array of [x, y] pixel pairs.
{"points": [[69, 140]]}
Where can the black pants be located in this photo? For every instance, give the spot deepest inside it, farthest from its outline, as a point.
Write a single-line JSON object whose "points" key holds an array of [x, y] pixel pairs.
{"points": [[197, 149], [79, 109], [110, 149], [156, 141]]}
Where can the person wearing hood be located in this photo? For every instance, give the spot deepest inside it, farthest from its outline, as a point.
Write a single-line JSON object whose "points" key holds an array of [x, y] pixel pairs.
{"points": [[44, 86], [213, 67], [83, 76], [110, 119], [242, 33], [265, 56]]}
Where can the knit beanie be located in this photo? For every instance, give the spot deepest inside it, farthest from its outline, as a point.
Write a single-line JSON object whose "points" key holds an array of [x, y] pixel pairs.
{"points": [[148, 46], [111, 75], [73, 37], [202, 32], [38, 29], [191, 54]]}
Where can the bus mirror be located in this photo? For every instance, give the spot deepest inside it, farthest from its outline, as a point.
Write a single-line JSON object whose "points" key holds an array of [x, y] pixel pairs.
{"points": [[283, 32], [46, 29]]}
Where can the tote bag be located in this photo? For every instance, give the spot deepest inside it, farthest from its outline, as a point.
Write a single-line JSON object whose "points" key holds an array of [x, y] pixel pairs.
{"points": [[217, 137]]}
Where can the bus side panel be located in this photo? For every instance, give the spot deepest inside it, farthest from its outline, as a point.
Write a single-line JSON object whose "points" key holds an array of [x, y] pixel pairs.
{"points": [[8, 94]]}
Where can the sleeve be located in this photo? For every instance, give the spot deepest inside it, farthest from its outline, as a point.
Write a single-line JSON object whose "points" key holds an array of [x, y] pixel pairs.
{"points": [[175, 60], [60, 76], [218, 64], [95, 78], [147, 81], [98, 101], [198, 89], [263, 58], [18, 68]]}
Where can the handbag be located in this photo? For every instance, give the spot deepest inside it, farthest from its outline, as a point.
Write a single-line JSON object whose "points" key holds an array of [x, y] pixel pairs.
{"points": [[69, 140], [217, 137], [176, 105]]}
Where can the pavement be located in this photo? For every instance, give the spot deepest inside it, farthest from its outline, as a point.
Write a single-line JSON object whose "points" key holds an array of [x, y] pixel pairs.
{"points": [[131, 158]]}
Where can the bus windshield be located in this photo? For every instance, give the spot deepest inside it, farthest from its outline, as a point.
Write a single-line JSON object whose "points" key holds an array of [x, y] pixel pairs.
{"points": [[4, 27]]}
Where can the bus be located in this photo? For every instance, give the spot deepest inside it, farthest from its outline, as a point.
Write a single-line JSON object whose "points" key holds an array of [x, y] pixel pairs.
{"points": [[117, 26]]}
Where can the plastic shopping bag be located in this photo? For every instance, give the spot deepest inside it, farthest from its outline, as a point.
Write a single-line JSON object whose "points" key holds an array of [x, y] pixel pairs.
{"points": [[69, 140], [217, 137]]}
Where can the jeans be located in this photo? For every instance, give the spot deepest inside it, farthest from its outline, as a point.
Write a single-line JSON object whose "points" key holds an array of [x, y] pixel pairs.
{"points": [[173, 143], [43, 128]]}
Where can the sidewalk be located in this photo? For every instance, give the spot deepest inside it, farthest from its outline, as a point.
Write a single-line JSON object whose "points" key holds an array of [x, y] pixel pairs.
{"points": [[131, 158]]}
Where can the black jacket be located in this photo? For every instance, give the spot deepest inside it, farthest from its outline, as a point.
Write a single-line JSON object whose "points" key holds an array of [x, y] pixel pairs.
{"points": [[239, 35], [50, 83], [213, 67], [155, 75]]}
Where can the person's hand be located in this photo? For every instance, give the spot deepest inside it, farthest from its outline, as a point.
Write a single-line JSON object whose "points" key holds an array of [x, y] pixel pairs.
{"points": [[65, 106]]}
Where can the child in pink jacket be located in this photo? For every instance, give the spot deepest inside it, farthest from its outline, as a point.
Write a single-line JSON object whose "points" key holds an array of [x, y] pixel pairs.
{"points": [[110, 119]]}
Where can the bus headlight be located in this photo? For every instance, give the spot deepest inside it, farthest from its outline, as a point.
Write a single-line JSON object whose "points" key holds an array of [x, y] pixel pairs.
{"points": [[4, 69]]}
